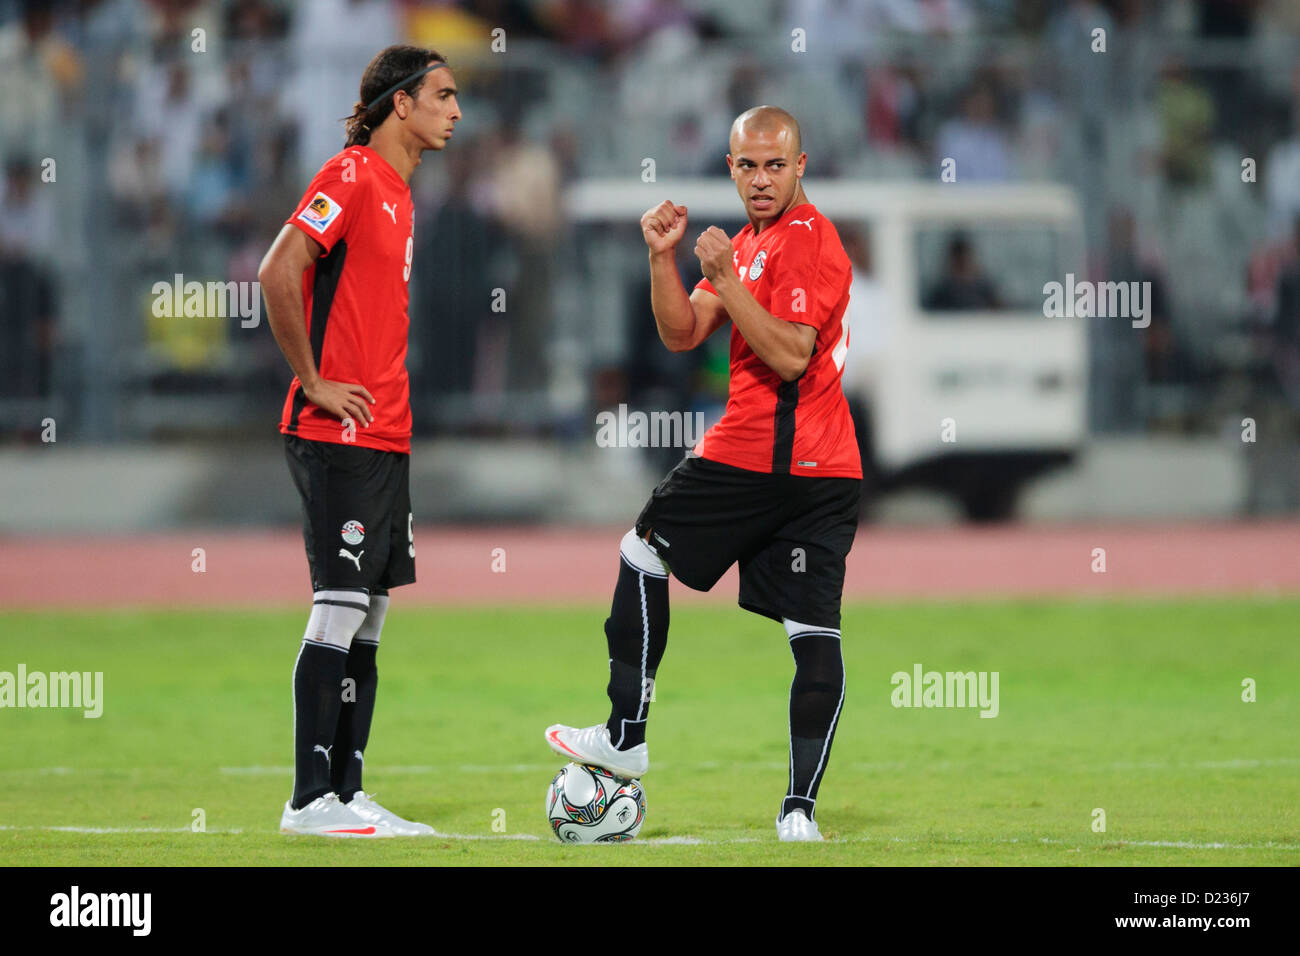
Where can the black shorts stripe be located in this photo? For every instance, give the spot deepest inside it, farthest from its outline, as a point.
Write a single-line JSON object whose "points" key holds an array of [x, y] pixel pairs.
{"points": [[352, 604], [329, 269], [787, 399]]}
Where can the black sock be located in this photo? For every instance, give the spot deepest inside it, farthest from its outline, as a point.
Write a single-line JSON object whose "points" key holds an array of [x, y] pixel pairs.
{"points": [[317, 697], [637, 633], [815, 699], [354, 720]]}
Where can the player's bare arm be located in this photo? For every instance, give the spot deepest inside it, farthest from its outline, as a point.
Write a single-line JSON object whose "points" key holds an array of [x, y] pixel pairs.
{"points": [[785, 347], [280, 274], [683, 321]]}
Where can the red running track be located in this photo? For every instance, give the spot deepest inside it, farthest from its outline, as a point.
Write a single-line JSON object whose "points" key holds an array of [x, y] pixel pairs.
{"points": [[455, 565]]}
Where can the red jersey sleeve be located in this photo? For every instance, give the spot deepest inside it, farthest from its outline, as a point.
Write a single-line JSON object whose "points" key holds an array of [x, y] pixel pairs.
{"points": [[326, 207], [706, 285], [796, 271]]}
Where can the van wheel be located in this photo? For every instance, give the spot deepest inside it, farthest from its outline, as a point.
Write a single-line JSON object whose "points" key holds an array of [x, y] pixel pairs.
{"points": [[991, 503]]}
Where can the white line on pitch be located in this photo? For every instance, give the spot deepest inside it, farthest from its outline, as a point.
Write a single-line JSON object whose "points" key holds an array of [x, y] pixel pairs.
{"points": [[696, 841], [426, 769]]}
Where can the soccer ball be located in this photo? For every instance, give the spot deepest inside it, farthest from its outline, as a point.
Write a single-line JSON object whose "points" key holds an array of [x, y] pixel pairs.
{"points": [[588, 804]]}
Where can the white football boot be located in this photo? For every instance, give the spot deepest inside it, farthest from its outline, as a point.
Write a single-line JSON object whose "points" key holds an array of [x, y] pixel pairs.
{"points": [[328, 816], [364, 806], [592, 745], [795, 827]]}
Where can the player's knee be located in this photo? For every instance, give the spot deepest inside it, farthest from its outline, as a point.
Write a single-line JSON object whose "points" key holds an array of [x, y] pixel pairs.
{"points": [[818, 659], [641, 556], [336, 617], [373, 625]]}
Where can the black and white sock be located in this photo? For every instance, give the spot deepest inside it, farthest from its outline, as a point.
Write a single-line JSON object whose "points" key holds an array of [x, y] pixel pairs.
{"points": [[358, 702], [318, 688], [816, 696], [636, 632]]}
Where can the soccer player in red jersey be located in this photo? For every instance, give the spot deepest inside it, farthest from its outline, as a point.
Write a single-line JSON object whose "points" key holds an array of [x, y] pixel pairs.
{"points": [[774, 485], [335, 283]]}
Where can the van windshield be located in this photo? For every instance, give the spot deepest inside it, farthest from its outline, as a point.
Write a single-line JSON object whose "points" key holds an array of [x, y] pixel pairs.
{"points": [[988, 267]]}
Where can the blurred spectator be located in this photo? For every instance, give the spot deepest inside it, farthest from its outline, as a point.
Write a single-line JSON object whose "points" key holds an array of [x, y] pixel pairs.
{"points": [[1285, 331], [167, 111], [963, 286], [27, 327], [834, 30], [331, 42], [27, 226], [1186, 118], [891, 108], [933, 17], [868, 319], [1127, 359], [582, 28], [135, 177], [525, 184], [1281, 172], [976, 140], [452, 289], [255, 20], [39, 73], [1125, 263], [214, 189], [867, 314]]}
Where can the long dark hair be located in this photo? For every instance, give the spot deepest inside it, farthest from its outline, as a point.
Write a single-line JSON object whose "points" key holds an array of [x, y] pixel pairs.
{"points": [[389, 66]]}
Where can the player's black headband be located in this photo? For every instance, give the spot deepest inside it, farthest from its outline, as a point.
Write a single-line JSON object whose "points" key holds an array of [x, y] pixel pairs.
{"points": [[397, 86]]}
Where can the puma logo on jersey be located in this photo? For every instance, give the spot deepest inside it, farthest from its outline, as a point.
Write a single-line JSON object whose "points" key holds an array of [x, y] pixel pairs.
{"points": [[355, 558], [324, 750], [392, 212], [803, 222]]}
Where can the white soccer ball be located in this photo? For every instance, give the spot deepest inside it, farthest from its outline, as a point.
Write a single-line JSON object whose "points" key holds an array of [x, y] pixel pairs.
{"points": [[587, 804]]}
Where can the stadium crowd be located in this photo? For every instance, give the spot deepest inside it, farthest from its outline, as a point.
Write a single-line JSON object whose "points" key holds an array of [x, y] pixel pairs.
{"points": [[183, 129]]}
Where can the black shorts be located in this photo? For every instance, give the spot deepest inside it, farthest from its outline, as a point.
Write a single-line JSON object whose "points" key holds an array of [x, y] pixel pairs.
{"points": [[790, 533], [356, 507]]}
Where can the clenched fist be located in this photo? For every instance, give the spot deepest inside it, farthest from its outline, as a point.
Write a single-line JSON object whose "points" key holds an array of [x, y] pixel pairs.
{"points": [[715, 252], [663, 226]]}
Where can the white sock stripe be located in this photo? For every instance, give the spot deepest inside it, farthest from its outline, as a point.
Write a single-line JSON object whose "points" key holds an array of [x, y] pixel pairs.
{"points": [[794, 629], [622, 730], [641, 556], [645, 643], [826, 746], [834, 634], [789, 791], [332, 647]]}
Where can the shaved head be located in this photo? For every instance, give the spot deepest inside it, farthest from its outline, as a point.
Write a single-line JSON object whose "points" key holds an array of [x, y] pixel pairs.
{"points": [[767, 120]]}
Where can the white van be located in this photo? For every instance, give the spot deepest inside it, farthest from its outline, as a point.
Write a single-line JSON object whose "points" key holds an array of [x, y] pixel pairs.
{"points": [[958, 381]]}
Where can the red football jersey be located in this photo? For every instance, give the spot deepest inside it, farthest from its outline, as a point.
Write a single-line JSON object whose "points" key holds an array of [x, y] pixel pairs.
{"points": [[355, 295], [798, 271]]}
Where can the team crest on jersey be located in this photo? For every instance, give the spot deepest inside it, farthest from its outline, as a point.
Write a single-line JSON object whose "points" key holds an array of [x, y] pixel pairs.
{"points": [[320, 212], [756, 267], [353, 532]]}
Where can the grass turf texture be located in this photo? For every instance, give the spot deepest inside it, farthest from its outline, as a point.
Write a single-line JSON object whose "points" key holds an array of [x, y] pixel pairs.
{"points": [[1133, 707]]}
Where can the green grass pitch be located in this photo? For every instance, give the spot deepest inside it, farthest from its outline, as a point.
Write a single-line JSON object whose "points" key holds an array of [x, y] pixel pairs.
{"points": [[1133, 707]]}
